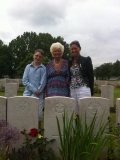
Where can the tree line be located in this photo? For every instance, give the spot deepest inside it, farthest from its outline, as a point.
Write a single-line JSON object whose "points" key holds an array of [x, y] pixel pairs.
{"points": [[15, 56], [107, 70]]}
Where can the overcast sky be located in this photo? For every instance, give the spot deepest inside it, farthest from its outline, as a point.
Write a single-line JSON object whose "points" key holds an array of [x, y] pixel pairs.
{"points": [[94, 23]]}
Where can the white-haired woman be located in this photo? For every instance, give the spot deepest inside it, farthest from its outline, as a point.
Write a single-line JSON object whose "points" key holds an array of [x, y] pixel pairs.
{"points": [[57, 73]]}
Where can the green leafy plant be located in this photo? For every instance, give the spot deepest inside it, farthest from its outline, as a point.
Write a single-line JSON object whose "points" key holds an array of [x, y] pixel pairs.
{"points": [[96, 89], [79, 141], [116, 143], [4, 154], [8, 136], [37, 150], [113, 143], [111, 140]]}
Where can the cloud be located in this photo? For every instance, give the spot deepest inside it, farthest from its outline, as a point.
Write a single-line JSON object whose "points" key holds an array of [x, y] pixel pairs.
{"points": [[39, 13], [95, 24], [5, 35]]}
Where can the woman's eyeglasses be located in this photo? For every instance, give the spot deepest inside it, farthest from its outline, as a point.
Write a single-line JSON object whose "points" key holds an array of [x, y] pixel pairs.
{"points": [[38, 56]]}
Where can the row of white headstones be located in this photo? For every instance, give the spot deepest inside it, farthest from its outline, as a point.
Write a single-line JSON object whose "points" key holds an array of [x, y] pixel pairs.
{"points": [[22, 112]]}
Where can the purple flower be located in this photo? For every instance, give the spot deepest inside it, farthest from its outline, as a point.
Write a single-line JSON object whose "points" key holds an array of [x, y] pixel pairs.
{"points": [[8, 134]]}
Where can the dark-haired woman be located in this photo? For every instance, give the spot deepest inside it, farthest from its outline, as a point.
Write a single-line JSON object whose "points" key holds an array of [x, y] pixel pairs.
{"points": [[81, 75]]}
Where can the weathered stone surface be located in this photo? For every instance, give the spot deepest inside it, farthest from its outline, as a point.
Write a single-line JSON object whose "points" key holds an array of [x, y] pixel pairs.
{"points": [[11, 89], [94, 105], [54, 107], [22, 113], [3, 103], [13, 81], [107, 91], [3, 82], [118, 111], [100, 107]]}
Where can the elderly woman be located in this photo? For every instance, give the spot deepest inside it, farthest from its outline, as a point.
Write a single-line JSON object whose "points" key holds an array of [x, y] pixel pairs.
{"points": [[57, 73], [81, 74]]}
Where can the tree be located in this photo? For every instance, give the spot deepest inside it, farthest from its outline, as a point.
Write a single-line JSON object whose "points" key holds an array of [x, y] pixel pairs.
{"points": [[45, 60], [97, 72], [45, 41], [21, 46], [103, 71], [22, 65], [116, 69], [5, 61], [1, 43], [28, 43], [106, 70]]}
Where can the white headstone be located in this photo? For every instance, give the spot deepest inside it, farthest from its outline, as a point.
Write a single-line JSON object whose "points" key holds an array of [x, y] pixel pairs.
{"points": [[16, 81], [100, 107], [100, 83], [13, 81], [94, 105], [107, 91], [3, 103], [55, 106], [22, 113], [118, 111], [20, 81], [3, 82], [11, 89]]}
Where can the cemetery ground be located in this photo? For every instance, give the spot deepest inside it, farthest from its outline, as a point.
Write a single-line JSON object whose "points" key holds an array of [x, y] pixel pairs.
{"points": [[97, 94]]}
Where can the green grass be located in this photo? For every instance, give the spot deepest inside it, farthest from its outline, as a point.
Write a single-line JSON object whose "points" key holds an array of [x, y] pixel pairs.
{"points": [[116, 94], [2, 94], [97, 94], [21, 89], [113, 117]]}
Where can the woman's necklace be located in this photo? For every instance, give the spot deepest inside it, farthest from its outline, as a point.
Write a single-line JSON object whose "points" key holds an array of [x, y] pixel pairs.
{"points": [[75, 65], [75, 62], [57, 66]]}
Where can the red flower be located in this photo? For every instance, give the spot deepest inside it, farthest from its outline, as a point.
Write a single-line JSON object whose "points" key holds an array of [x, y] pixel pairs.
{"points": [[33, 132]]}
